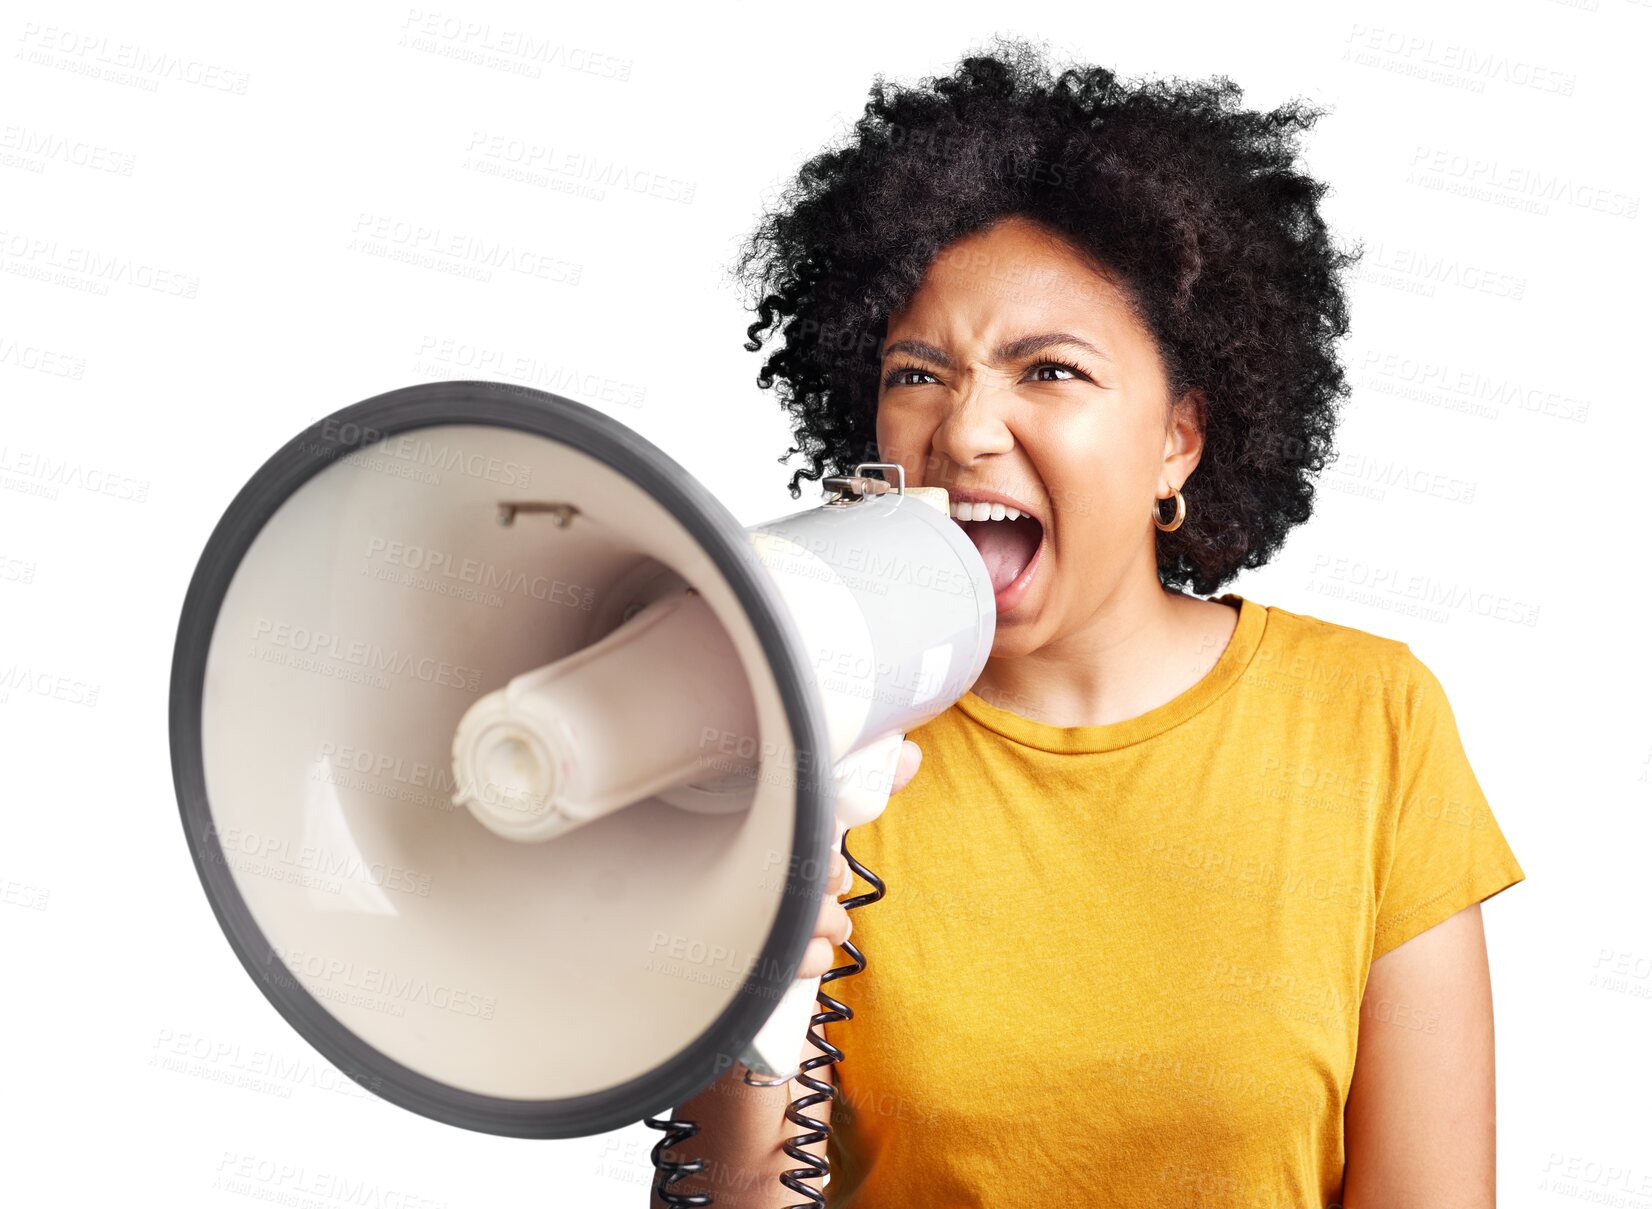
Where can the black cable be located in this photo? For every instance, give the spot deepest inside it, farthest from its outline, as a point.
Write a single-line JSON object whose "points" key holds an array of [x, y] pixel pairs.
{"points": [[670, 1172], [679, 1131], [820, 1090]]}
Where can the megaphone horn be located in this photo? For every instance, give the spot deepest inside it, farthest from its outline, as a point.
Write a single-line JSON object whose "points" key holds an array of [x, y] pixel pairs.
{"points": [[484, 711]]}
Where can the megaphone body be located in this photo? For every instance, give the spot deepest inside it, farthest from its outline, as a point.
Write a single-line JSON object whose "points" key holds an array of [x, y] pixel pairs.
{"points": [[511, 764], [881, 593]]}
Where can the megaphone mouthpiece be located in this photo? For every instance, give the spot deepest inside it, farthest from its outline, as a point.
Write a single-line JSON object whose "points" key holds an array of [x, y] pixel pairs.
{"points": [[624, 719], [502, 766]]}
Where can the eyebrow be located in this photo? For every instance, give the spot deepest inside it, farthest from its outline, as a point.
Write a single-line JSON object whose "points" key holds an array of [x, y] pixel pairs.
{"points": [[1014, 350]]}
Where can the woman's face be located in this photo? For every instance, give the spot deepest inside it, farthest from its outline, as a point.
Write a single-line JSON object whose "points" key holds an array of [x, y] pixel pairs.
{"points": [[1017, 371]]}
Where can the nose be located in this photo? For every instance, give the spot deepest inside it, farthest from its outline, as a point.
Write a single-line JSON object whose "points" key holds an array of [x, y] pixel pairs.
{"points": [[974, 427]]}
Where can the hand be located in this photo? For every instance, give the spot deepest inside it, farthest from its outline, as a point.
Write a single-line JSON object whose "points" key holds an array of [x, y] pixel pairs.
{"points": [[833, 927]]}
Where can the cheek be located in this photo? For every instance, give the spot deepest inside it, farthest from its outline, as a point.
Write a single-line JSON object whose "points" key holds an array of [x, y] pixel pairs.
{"points": [[901, 439], [1101, 483]]}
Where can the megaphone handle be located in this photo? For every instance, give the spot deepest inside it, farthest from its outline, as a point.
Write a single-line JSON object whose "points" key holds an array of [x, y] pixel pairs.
{"points": [[864, 781], [790, 1023], [815, 1165]]}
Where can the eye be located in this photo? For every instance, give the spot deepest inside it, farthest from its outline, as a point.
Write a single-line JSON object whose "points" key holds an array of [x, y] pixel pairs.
{"points": [[894, 377], [1077, 373]]}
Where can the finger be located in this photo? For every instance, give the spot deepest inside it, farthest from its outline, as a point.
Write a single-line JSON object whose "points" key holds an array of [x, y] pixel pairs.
{"points": [[833, 921], [839, 875], [817, 958], [911, 756]]}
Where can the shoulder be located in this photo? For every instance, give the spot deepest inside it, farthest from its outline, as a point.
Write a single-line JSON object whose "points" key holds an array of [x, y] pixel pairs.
{"points": [[1329, 662]]}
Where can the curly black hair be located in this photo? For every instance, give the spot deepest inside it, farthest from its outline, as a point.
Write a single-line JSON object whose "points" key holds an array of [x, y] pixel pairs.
{"points": [[1191, 204]]}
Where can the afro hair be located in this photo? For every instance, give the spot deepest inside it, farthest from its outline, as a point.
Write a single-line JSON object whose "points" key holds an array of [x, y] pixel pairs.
{"points": [[1192, 204]]}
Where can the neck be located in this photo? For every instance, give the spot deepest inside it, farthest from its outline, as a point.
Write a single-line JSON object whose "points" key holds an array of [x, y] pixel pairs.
{"points": [[1141, 647]]}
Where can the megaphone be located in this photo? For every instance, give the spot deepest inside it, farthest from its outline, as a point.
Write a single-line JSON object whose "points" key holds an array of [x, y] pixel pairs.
{"points": [[511, 764]]}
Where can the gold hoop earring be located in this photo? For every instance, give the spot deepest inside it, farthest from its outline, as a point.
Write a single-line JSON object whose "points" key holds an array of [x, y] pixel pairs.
{"points": [[1176, 521]]}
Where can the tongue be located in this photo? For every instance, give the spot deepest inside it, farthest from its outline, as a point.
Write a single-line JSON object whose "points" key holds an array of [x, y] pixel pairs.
{"points": [[1006, 546]]}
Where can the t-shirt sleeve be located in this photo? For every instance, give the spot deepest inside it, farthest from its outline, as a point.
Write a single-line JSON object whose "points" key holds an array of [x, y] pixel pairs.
{"points": [[1446, 849]]}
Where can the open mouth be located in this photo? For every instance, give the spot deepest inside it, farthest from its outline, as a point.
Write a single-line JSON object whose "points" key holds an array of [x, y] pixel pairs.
{"points": [[1009, 544]]}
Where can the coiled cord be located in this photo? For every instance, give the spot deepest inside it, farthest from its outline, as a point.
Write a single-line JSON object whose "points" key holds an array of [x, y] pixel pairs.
{"points": [[670, 1172], [679, 1131], [819, 1089]]}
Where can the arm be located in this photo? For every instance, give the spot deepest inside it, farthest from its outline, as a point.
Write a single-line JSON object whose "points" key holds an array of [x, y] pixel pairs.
{"points": [[1421, 1118], [742, 1130]]}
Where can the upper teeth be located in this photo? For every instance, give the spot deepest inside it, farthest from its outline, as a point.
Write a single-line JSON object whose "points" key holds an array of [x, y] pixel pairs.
{"points": [[984, 512]]}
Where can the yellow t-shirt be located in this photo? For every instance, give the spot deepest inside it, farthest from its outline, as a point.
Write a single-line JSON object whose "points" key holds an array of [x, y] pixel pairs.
{"points": [[1122, 965]]}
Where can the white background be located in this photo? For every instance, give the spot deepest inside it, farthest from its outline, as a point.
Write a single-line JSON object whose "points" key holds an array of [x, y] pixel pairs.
{"points": [[1485, 509]]}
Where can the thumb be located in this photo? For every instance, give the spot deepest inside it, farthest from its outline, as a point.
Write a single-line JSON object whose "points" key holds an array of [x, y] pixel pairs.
{"points": [[907, 768]]}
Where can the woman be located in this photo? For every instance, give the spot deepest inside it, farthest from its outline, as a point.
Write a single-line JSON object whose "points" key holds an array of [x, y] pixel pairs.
{"points": [[1182, 904]]}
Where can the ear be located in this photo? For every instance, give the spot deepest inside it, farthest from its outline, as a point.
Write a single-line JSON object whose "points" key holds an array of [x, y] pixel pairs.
{"points": [[1184, 437]]}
